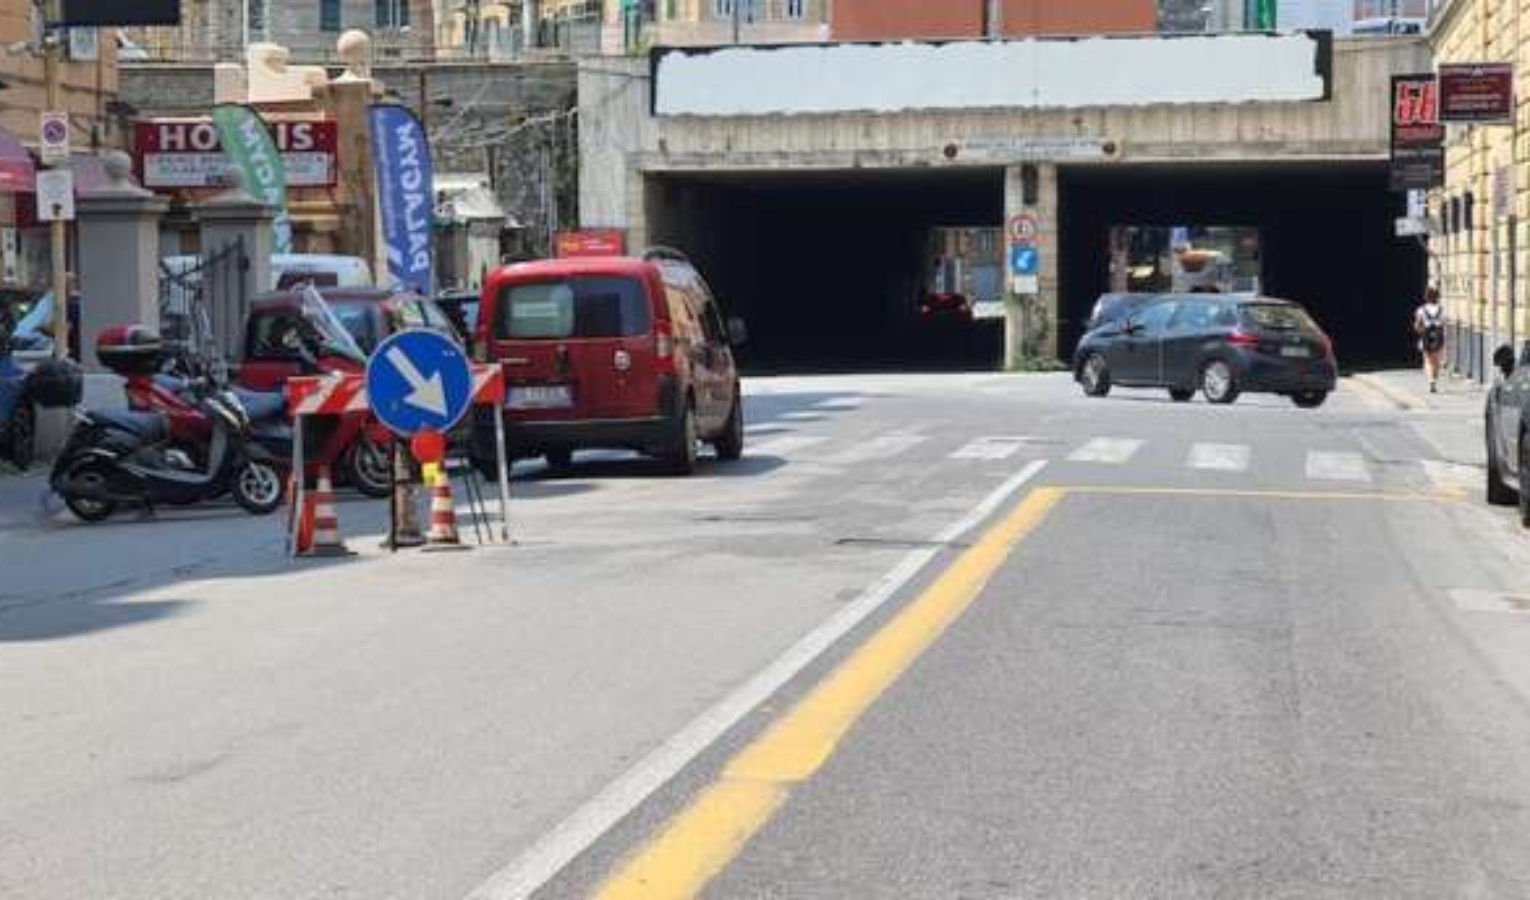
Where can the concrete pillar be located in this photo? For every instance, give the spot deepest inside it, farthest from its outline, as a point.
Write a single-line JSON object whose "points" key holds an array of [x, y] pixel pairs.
{"points": [[1030, 327], [231, 219], [355, 195], [119, 256]]}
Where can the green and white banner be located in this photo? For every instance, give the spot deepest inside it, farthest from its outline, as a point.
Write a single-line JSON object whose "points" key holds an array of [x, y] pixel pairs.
{"points": [[250, 149]]}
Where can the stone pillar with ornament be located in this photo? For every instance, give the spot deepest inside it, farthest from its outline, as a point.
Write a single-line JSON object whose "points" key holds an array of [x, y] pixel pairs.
{"points": [[118, 229]]}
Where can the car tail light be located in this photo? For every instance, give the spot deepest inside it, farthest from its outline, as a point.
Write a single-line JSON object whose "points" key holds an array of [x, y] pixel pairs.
{"points": [[1327, 344], [1241, 338], [664, 348]]}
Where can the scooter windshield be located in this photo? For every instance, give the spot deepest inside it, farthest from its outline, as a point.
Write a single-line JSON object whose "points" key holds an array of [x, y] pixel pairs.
{"points": [[337, 340]]}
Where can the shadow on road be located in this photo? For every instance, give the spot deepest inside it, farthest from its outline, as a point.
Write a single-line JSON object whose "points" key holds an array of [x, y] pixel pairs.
{"points": [[56, 620]]}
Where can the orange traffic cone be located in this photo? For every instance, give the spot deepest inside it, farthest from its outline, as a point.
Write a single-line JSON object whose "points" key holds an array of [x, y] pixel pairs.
{"points": [[443, 516], [326, 524]]}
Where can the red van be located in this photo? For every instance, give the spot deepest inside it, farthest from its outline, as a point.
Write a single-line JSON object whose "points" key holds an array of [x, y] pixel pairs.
{"points": [[611, 353]]}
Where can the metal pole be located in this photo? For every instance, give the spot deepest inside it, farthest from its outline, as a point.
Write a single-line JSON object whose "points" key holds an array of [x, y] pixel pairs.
{"points": [[1513, 284], [738, 20], [504, 474], [299, 484], [53, 51]]}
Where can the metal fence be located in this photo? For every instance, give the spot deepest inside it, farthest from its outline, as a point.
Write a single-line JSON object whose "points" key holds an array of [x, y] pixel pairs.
{"points": [[204, 303]]}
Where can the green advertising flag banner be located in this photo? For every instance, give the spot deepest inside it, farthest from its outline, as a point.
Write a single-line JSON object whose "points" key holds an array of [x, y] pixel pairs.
{"points": [[1264, 15], [248, 144]]}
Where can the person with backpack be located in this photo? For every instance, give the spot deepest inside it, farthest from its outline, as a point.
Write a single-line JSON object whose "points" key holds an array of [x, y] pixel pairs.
{"points": [[1429, 326]]}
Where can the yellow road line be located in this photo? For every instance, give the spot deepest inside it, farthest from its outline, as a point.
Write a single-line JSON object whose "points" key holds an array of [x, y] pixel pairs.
{"points": [[1441, 496], [708, 834]]}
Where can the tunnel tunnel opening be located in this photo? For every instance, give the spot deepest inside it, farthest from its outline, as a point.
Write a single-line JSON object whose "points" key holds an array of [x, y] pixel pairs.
{"points": [[831, 269], [1325, 239]]}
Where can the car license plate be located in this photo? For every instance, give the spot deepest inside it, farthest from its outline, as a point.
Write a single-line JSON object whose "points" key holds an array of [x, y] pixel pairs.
{"points": [[557, 396], [1296, 352]]}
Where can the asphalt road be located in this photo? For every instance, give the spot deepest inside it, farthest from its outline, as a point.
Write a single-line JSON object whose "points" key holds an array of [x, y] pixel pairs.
{"points": [[937, 636]]}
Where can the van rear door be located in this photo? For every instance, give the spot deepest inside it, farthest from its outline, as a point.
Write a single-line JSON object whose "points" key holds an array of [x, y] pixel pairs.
{"points": [[577, 347]]}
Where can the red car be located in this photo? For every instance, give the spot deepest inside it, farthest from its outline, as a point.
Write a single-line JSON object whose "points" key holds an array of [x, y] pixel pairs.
{"points": [[308, 331], [611, 353]]}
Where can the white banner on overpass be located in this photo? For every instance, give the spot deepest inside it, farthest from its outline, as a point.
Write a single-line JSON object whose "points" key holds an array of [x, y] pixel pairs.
{"points": [[1048, 73]]}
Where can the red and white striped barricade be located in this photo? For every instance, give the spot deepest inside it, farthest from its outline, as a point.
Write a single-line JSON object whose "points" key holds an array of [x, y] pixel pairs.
{"points": [[341, 393]]}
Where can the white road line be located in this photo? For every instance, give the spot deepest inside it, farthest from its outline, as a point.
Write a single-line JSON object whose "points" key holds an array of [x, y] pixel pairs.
{"points": [[991, 448], [784, 446], [1219, 457], [1326, 466], [884, 446], [840, 403], [1453, 476], [576, 834], [801, 416], [1110, 451]]}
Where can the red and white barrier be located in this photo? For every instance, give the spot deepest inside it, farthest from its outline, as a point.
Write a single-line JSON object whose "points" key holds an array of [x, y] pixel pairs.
{"points": [[339, 394]]}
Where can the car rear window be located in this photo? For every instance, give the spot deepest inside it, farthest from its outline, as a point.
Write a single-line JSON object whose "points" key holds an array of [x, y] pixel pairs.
{"points": [[1278, 317], [585, 307]]}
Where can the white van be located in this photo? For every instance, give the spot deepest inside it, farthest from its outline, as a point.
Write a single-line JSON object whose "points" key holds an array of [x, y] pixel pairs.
{"points": [[289, 269]]}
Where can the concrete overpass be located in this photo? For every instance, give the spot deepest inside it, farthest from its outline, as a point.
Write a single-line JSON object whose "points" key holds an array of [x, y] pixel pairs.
{"points": [[799, 176]]}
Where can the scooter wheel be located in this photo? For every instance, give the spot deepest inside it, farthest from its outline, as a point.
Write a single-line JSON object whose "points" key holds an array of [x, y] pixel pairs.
{"points": [[258, 488], [369, 468], [89, 509]]}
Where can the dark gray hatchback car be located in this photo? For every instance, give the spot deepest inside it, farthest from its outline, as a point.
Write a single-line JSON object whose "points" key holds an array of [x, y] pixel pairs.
{"points": [[1221, 345]]}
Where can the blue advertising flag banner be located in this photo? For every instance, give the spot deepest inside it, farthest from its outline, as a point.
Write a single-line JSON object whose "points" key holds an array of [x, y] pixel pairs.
{"points": [[406, 194]]}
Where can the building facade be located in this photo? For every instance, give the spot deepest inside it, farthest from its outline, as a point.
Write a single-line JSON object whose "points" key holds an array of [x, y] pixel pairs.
{"points": [[632, 26], [219, 30], [1478, 245], [89, 95]]}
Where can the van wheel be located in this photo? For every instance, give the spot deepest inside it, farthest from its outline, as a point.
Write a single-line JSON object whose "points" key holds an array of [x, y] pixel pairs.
{"points": [[1218, 382], [1309, 399], [681, 457], [730, 444]]}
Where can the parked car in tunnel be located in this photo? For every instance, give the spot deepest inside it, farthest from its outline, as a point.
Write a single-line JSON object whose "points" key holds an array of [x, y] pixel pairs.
{"points": [[1222, 345], [611, 353], [1507, 432]]}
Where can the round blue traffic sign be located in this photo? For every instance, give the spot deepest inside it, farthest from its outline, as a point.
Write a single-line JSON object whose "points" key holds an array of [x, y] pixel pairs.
{"points": [[419, 380]]}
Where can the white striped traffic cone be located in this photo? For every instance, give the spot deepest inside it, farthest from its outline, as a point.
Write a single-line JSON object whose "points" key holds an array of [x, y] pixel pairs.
{"points": [[326, 523], [443, 516]]}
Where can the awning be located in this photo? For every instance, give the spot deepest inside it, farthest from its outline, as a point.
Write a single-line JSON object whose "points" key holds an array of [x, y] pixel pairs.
{"points": [[17, 173], [468, 198]]}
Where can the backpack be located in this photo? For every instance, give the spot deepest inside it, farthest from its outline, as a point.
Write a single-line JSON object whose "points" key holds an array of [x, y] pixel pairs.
{"points": [[1434, 331]]}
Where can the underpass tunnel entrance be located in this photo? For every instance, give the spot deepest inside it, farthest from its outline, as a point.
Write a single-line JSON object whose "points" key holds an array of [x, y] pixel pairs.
{"points": [[837, 270], [1317, 233]]}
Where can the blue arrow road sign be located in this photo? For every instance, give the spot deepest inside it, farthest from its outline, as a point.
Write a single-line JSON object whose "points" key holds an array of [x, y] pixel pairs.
{"points": [[1024, 260], [418, 380]]}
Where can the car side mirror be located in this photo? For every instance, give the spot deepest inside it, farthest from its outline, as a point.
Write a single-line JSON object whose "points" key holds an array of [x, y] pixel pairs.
{"points": [[1131, 328], [738, 332], [1503, 358]]}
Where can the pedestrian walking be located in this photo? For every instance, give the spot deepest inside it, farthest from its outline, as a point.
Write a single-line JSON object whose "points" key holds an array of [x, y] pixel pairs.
{"points": [[1429, 326]]}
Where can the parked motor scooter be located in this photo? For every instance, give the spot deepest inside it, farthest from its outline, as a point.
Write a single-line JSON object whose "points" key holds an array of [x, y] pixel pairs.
{"points": [[173, 387], [112, 458]]}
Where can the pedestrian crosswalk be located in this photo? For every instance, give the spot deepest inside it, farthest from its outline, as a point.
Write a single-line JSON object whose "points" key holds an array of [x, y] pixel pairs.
{"points": [[1210, 460], [1219, 457], [1110, 451]]}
